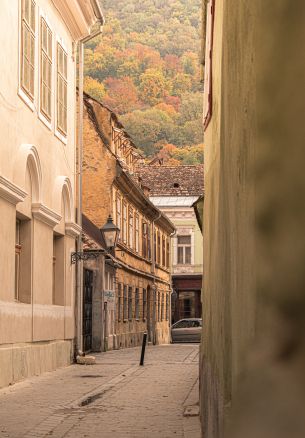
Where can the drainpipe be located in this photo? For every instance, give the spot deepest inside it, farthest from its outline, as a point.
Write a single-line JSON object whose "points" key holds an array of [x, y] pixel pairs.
{"points": [[79, 265], [153, 271], [171, 289]]}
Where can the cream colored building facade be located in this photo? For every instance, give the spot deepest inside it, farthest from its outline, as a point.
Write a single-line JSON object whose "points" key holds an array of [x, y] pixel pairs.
{"points": [[37, 182]]}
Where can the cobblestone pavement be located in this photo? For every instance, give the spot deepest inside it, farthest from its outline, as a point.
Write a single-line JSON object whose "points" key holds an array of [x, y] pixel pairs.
{"points": [[113, 398]]}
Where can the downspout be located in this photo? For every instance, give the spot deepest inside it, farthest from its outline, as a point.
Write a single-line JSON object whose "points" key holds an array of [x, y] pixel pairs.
{"points": [[79, 265], [153, 271], [171, 289]]}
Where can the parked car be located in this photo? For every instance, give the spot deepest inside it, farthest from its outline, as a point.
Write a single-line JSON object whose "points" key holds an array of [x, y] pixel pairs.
{"points": [[187, 330]]}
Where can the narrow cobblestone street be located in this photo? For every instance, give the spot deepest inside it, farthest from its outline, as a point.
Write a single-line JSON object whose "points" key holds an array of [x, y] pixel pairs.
{"points": [[113, 398]]}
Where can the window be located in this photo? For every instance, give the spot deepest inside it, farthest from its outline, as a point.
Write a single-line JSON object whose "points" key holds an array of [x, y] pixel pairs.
{"points": [[137, 233], [130, 227], [158, 248], [144, 239], [144, 304], [58, 295], [182, 324], [167, 252], [137, 302], [23, 261], [124, 227], [167, 307], [17, 259], [119, 302], [28, 47], [184, 250], [114, 206], [148, 242], [125, 304], [118, 212], [130, 303], [46, 69], [155, 246], [162, 307], [61, 90], [163, 251], [159, 306]]}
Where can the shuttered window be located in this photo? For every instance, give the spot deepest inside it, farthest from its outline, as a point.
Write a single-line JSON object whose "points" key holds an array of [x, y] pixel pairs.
{"points": [[45, 69], [28, 47], [61, 90]]}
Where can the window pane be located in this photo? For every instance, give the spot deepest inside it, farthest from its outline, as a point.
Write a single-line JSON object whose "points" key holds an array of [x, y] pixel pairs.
{"points": [[184, 240], [188, 255], [180, 255]]}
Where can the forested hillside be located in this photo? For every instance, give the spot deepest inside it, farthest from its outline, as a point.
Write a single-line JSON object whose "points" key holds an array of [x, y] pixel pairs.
{"points": [[145, 67]]}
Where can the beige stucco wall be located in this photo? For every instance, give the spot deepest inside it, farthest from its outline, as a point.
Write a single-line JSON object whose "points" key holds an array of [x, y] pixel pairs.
{"points": [[37, 178], [252, 364], [229, 253]]}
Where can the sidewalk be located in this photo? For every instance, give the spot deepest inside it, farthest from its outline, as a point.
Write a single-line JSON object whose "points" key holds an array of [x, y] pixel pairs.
{"points": [[114, 398]]}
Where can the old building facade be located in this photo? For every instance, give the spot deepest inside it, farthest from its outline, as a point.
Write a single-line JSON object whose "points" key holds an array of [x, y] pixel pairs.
{"points": [[37, 182], [137, 289], [174, 189]]}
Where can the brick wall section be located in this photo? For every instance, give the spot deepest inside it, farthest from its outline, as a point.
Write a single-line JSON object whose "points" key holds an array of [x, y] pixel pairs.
{"points": [[98, 174]]}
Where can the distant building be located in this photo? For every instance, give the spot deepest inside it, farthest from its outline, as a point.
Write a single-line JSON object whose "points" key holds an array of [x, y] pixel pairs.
{"points": [[174, 189], [136, 287], [37, 182]]}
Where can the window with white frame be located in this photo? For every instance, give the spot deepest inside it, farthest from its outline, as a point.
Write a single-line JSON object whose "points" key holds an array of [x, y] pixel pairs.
{"points": [[124, 225], [130, 227], [137, 231], [28, 24], [62, 79], [184, 250], [118, 213], [46, 41]]}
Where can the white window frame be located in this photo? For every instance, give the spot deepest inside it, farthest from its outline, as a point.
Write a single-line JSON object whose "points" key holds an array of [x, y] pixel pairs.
{"points": [[41, 116], [184, 252], [59, 41], [137, 232], [20, 91]]}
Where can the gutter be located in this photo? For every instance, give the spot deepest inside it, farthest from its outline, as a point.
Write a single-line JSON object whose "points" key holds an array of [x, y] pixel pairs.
{"points": [[79, 267]]}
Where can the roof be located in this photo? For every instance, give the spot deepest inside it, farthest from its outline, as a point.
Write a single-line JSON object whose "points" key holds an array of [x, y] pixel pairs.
{"points": [[173, 201], [184, 180], [92, 237]]}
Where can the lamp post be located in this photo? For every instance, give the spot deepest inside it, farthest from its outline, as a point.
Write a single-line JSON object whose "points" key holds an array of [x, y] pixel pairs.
{"points": [[110, 233]]}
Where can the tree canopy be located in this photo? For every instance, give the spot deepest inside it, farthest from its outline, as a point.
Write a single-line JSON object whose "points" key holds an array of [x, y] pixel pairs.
{"points": [[145, 67]]}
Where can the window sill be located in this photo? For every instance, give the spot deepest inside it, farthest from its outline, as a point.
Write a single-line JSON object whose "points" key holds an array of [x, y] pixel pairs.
{"points": [[45, 121], [61, 137], [25, 98], [125, 320]]}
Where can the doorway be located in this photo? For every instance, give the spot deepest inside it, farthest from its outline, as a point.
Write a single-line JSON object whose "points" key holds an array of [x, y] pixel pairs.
{"points": [[87, 310]]}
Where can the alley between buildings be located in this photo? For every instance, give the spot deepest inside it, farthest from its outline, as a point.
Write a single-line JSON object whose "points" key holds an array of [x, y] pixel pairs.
{"points": [[113, 398]]}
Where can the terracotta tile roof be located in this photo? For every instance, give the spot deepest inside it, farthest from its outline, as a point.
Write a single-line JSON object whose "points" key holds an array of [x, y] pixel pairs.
{"points": [[182, 180]]}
